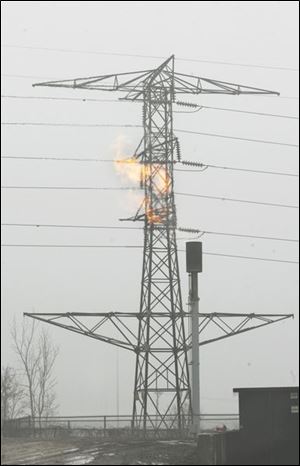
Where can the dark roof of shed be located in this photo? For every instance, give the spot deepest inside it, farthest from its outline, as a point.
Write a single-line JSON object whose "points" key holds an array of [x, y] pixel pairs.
{"points": [[264, 389]]}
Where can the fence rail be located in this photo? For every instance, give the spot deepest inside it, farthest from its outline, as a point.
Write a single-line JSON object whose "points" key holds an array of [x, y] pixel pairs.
{"points": [[110, 425]]}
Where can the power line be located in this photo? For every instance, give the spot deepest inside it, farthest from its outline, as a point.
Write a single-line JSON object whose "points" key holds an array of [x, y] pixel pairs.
{"points": [[108, 227], [91, 188], [79, 188], [109, 125], [262, 141], [199, 107], [64, 159], [83, 125], [30, 97], [249, 112], [109, 246], [195, 60], [113, 246], [196, 164], [247, 257], [47, 225], [248, 170], [239, 235], [271, 204]]}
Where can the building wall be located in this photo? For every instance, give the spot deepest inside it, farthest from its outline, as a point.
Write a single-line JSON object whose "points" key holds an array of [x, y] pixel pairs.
{"points": [[269, 424]]}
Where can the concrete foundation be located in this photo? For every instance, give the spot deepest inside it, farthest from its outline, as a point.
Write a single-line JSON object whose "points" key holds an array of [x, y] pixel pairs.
{"points": [[211, 448]]}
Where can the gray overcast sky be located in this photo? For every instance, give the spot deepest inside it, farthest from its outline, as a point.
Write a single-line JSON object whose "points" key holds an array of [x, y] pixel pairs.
{"points": [[66, 280]]}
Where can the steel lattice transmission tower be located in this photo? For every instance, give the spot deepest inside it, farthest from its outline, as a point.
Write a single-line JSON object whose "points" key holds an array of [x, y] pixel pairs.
{"points": [[161, 361], [161, 385]]}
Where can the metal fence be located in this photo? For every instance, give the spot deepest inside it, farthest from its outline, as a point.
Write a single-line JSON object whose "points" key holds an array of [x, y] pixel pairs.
{"points": [[112, 426]]}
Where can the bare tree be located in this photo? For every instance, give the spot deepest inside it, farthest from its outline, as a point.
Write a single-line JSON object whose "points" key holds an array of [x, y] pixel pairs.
{"points": [[37, 355], [45, 400], [12, 394]]}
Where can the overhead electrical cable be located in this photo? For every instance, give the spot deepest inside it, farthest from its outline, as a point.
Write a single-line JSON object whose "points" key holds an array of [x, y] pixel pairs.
{"points": [[158, 57], [100, 188], [187, 230], [112, 246], [72, 99], [199, 107], [72, 188], [183, 162], [231, 199], [109, 125], [234, 110]]}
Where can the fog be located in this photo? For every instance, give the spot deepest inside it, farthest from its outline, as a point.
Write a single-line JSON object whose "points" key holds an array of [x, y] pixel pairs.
{"points": [[61, 40]]}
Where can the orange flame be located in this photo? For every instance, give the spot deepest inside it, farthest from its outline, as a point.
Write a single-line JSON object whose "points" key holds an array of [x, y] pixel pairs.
{"points": [[154, 215], [136, 171], [131, 169]]}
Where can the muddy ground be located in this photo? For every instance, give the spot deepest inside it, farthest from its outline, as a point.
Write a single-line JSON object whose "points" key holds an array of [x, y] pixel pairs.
{"points": [[98, 452]]}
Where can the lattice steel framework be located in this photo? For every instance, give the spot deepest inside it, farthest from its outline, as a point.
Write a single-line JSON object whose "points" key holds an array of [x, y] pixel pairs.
{"points": [[161, 361], [161, 384]]}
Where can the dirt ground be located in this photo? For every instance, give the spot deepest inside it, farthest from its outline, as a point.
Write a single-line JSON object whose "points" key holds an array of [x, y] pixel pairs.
{"points": [[98, 452]]}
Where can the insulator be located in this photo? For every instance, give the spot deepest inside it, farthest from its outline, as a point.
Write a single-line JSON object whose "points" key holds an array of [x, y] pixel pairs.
{"points": [[193, 164], [187, 104], [178, 150], [189, 230]]}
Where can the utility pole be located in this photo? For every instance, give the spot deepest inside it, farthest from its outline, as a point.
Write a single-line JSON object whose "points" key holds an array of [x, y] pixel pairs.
{"points": [[193, 267], [117, 389], [160, 343]]}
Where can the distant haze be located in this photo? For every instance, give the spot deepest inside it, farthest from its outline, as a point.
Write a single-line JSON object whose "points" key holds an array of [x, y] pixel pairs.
{"points": [[100, 280]]}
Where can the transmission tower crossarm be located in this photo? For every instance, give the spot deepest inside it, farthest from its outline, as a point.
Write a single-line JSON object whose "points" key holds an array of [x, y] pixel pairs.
{"points": [[125, 82], [135, 82], [231, 324], [190, 84], [89, 323], [111, 323]]}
